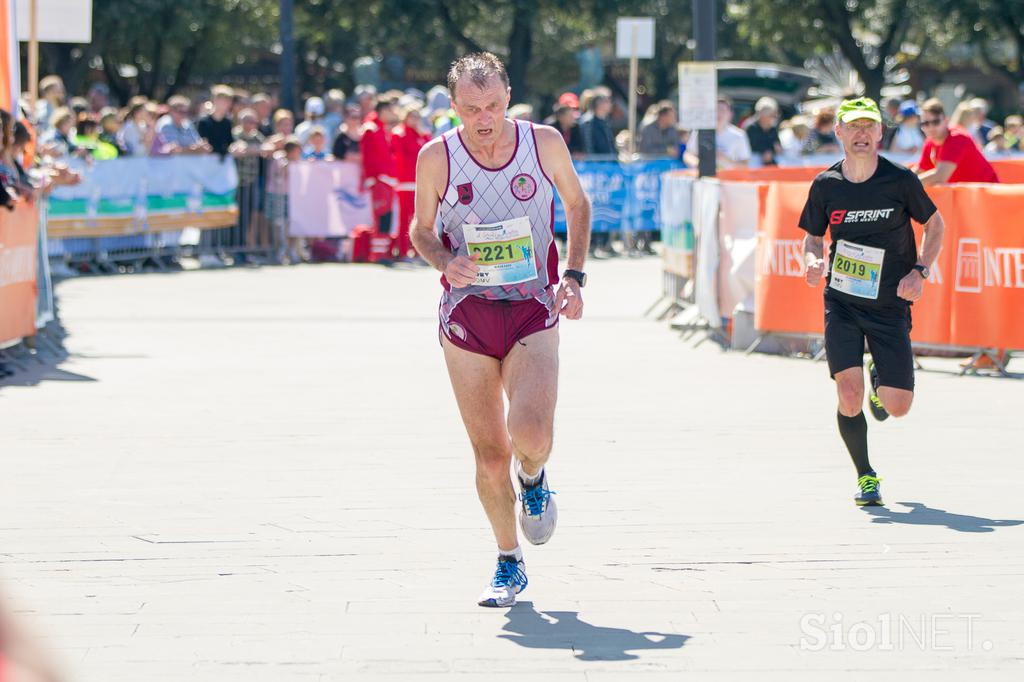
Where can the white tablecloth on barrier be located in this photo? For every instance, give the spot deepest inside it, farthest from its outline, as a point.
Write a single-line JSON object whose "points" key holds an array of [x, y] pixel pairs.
{"points": [[705, 227], [737, 243]]}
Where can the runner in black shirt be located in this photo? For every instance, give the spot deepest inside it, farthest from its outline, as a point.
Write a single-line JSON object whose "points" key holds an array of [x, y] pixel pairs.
{"points": [[875, 273]]}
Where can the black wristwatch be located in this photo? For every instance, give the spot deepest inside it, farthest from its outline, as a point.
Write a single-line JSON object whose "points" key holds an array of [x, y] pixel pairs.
{"points": [[923, 269], [580, 277]]}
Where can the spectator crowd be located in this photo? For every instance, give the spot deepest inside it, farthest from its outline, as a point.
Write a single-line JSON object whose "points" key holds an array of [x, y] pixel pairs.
{"points": [[383, 133]]}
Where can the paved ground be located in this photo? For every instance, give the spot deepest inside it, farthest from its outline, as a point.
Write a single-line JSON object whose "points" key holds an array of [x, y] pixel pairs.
{"points": [[261, 475]]}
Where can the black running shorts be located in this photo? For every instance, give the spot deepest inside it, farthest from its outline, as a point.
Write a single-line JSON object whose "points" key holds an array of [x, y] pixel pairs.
{"points": [[888, 335]]}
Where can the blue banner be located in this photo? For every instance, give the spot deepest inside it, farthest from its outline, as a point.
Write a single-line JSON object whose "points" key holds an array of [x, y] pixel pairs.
{"points": [[623, 196]]}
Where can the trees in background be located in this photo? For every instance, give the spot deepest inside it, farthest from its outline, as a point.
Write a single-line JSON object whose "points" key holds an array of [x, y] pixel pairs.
{"points": [[158, 47]]}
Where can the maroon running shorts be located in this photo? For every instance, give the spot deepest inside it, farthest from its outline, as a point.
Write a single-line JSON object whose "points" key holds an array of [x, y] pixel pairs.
{"points": [[492, 328]]}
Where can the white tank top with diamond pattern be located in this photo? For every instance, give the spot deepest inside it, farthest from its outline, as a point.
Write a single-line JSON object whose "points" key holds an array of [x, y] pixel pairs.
{"points": [[478, 195]]}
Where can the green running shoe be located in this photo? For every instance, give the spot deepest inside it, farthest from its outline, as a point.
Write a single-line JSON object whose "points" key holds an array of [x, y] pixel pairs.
{"points": [[874, 404], [870, 494]]}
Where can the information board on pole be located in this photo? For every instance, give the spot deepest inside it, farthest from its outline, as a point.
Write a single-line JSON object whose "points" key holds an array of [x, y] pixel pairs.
{"points": [[640, 29], [698, 95], [60, 21], [634, 40]]}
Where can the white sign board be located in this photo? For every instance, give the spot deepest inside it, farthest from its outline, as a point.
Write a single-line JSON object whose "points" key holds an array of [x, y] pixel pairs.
{"points": [[57, 21], [634, 33], [698, 95]]}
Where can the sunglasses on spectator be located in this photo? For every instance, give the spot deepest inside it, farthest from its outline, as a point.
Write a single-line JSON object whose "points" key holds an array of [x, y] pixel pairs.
{"points": [[928, 122]]}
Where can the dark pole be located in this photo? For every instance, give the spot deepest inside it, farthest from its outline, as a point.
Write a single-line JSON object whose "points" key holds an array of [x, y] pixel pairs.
{"points": [[704, 21], [287, 57]]}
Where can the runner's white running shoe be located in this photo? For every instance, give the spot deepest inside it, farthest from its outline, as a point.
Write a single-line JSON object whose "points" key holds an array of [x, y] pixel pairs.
{"points": [[508, 581]]}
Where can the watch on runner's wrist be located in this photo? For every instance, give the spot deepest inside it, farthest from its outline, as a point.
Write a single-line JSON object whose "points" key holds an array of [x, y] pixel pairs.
{"points": [[579, 277], [923, 269]]}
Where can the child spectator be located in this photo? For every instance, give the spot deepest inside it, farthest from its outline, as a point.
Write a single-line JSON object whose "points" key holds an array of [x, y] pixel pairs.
{"points": [[110, 126], [88, 137], [996, 145], [1013, 129], [908, 138], [58, 139], [278, 205], [247, 150], [138, 131], [316, 149], [287, 249]]}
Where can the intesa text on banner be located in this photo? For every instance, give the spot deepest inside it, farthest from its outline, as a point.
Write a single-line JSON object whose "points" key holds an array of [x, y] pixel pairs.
{"points": [[784, 304], [975, 290], [986, 255]]}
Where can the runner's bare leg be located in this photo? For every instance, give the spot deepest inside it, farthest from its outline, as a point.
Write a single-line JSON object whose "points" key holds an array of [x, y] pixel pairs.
{"points": [[530, 376], [477, 382]]}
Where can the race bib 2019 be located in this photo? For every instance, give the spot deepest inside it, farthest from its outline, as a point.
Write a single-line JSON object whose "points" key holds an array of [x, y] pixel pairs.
{"points": [[857, 269]]}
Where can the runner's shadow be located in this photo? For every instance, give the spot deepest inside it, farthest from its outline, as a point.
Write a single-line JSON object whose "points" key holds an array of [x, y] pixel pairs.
{"points": [[564, 630], [923, 515]]}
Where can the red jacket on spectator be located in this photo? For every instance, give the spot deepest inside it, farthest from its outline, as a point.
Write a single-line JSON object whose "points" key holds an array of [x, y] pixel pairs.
{"points": [[378, 164], [406, 143]]}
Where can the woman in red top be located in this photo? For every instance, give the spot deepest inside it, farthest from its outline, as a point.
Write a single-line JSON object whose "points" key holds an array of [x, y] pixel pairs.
{"points": [[950, 154], [407, 139]]}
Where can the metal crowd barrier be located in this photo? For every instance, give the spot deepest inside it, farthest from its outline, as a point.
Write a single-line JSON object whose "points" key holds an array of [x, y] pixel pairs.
{"points": [[256, 237]]}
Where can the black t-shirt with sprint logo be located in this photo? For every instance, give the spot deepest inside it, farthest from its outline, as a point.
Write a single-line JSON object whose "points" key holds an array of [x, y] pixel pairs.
{"points": [[870, 229]]}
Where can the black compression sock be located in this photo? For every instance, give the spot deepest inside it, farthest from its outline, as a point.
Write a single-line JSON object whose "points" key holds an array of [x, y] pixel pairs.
{"points": [[854, 431]]}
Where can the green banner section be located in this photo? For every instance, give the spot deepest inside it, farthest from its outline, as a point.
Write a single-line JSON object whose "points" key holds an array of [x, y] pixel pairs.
{"points": [[133, 188], [119, 208]]}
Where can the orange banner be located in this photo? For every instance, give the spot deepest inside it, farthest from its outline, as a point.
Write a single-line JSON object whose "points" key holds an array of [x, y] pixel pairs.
{"points": [[1010, 171], [783, 303], [18, 272], [974, 296], [10, 81], [768, 174], [987, 277]]}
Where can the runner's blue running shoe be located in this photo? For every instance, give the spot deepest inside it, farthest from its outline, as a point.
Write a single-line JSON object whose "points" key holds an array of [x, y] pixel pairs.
{"points": [[509, 580], [870, 494]]}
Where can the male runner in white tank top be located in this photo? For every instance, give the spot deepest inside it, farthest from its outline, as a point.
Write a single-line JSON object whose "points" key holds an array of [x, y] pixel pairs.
{"points": [[490, 182]]}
